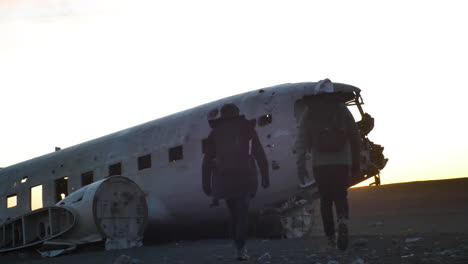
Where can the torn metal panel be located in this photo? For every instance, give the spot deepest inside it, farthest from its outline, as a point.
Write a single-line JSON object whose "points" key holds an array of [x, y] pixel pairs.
{"points": [[299, 216], [122, 243], [35, 227], [298, 222], [53, 248]]}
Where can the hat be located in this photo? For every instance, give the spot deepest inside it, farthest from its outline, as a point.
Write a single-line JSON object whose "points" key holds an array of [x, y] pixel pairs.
{"points": [[229, 111], [324, 86]]}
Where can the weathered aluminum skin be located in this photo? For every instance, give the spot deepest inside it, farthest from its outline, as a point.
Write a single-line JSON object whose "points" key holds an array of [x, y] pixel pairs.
{"points": [[173, 189]]}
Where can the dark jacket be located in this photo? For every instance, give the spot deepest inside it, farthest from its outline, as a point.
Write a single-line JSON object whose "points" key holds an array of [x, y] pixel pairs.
{"points": [[229, 168]]}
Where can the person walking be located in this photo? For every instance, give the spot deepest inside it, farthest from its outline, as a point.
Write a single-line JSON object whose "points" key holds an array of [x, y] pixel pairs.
{"points": [[229, 171], [328, 130]]}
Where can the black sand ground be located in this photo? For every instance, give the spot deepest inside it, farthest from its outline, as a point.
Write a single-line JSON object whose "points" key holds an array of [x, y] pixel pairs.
{"points": [[421, 222]]}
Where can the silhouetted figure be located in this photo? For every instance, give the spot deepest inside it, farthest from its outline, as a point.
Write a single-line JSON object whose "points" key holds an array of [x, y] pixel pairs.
{"points": [[329, 132], [229, 170]]}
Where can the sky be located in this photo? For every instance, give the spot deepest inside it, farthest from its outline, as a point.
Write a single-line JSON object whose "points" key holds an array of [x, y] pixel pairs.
{"points": [[74, 70]]}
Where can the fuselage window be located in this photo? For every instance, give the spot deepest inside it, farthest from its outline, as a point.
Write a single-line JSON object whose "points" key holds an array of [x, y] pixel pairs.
{"points": [[176, 153], [87, 178], [144, 162], [12, 201], [36, 197], [115, 169], [24, 179], [61, 188], [265, 120]]}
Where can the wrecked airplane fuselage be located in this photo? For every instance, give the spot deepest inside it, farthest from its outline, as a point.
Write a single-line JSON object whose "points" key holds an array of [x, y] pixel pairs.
{"points": [[164, 157]]}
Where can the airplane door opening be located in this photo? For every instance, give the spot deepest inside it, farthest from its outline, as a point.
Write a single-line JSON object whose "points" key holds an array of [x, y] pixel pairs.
{"points": [[36, 197], [61, 188]]}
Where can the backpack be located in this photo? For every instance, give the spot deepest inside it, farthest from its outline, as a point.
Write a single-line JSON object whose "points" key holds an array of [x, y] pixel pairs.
{"points": [[232, 146], [331, 136]]}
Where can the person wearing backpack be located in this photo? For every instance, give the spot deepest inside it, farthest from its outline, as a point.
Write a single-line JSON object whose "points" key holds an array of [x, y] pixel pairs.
{"points": [[229, 171], [328, 131]]}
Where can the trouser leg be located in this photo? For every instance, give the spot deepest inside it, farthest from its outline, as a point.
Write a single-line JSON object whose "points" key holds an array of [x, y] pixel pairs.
{"points": [[243, 222], [326, 209], [239, 208], [324, 184], [340, 191], [341, 202], [231, 205]]}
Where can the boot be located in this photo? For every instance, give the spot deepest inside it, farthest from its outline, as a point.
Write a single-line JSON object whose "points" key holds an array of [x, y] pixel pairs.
{"points": [[331, 241], [242, 254]]}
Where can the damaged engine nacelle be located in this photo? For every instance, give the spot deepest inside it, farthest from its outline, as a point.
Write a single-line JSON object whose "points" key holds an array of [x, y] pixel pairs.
{"points": [[114, 209]]}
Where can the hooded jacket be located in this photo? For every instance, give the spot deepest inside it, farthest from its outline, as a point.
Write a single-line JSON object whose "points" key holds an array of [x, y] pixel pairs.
{"points": [[231, 151]]}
